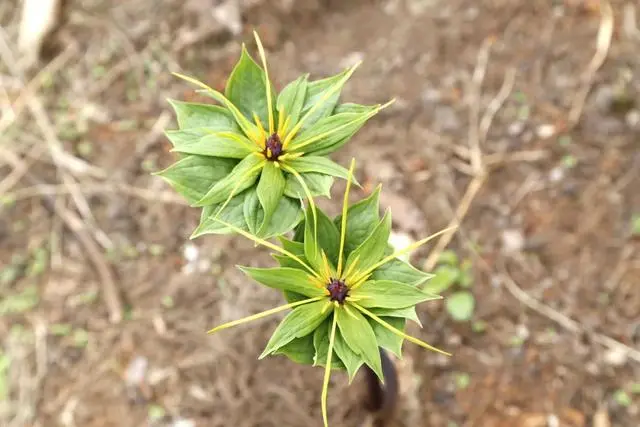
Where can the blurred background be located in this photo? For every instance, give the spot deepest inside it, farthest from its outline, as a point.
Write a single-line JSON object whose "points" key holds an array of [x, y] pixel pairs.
{"points": [[521, 118]]}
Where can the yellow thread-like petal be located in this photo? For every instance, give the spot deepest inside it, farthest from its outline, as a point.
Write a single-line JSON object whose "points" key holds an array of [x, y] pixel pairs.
{"points": [[306, 190], [267, 244], [345, 207], [262, 314], [399, 332], [404, 251], [327, 371], [263, 58], [321, 101]]}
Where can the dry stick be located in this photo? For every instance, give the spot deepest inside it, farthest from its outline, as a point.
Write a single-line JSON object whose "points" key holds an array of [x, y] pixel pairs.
{"points": [[478, 130], [58, 189], [59, 156], [605, 32], [77, 227], [564, 321]]}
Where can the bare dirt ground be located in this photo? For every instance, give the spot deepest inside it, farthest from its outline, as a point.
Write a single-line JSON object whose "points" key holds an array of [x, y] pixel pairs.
{"points": [[488, 105]]}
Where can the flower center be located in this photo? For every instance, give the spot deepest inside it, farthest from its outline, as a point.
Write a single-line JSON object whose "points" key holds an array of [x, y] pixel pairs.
{"points": [[338, 290], [273, 147]]}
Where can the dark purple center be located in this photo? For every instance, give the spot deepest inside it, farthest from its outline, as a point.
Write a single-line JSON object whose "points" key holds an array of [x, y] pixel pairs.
{"points": [[273, 147], [338, 290]]}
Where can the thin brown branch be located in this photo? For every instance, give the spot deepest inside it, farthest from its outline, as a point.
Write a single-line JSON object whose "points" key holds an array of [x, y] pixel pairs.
{"points": [[603, 42], [562, 320]]}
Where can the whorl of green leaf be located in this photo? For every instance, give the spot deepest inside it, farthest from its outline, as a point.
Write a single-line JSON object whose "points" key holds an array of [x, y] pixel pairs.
{"points": [[379, 290], [227, 167]]}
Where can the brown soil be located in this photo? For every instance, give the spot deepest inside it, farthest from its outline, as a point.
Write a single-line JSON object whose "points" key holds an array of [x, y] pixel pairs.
{"points": [[553, 217]]}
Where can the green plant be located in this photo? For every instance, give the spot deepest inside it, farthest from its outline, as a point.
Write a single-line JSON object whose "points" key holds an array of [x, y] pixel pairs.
{"points": [[349, 292], [453, 274], [252, 158]]}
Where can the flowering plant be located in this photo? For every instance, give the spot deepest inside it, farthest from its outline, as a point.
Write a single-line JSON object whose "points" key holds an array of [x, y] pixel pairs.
{"points": [[251, 163]]}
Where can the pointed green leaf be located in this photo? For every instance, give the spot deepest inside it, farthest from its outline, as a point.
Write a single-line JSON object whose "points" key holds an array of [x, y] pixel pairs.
{"points": [[242, 176], [400, 271], [330, 133], [312, 250], [327, 91], [291, 100], [351, 361], [372, 249], [208, 143], [213, 117], [460, 305], [318, 184], [359, 336], [320, 165], [252, 210], [321, 346], [404, 313], [285, 279], [387, 339], [444, 277], [270, 190], [286, 216], [246, 88], [193, 176], [300, 350], [362, 217], [247, 126], [300, 322], [388, 294], [231, 214], [328, 237]]}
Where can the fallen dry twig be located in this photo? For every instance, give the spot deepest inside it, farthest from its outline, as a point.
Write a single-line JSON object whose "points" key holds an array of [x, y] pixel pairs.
{"points": [[478, 131], [605, 32], [562, 320]]}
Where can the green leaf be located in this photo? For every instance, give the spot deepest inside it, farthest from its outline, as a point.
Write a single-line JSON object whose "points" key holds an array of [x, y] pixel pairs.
{"points": [[286, 216], [270, 190], [193, 176], [231, 214], [460, 305], [248, 127], [213, 117], [372, 249], [327, 91], [404, 313], [388, 294], [400, 271], [319, 164], [318, 184], [246, 88], [351, 361], [299, 323], [362, 217], [300, 350], [312, 251], [285, 279], [291, 100], [251, 210], [387, 339], [242, 176], [207, 143], [330, 133], [328, 236], [297, 249], [321, 346], [445, 276], [359, 336]]}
